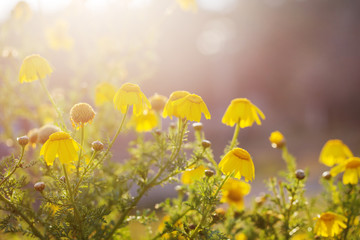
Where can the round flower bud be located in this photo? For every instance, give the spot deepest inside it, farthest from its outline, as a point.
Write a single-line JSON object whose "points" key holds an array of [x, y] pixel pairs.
{"points": [[45, 132], [81, 113], [197, 126], [277, 140], [23, 141], [300, 174], [158, 102], [209, 173], [39, 186], [97, 146], [33, 136], [158, 132], [326, 175], [172, 125], [205, 143], [192, 226], [62, 178]]}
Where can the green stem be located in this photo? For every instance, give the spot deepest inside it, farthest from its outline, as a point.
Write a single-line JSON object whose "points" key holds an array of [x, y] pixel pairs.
{"points": [[24, 217], [207, 210], [82, 127], [113, 140], [84, 173], [53, 103], [16, 166], [174, 154], [76, 211], [234, 139]]}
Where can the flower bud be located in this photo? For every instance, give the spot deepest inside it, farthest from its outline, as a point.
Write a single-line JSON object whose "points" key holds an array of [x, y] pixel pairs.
{"points": [[39, 186], [158, 132], [97, 146], [326, 175], [300, 174], [23, 141], [205, 143], [192, 226], [62, 178], [209, 173], [172, 125], [277, 140], [158, 102], [197, 126], [45, 132]]}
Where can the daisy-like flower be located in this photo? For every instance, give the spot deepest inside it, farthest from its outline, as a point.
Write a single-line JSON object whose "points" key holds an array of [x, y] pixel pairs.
{"points": [[158, 102], [104, 92], [34, 67], [277, 140], [334, 152], [233, 192], [60, 145], [241, 111], [192, 174], [329, 224], [172, 103], [240, 236], [190, 107], [58, 36], [81, 114], [130, 94], [145, 122], [238, 161], [351, 169]]}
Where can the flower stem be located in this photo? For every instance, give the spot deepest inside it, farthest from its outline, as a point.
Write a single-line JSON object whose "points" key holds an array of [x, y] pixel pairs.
{"points": [[23, 216], [234, 139], [76, 211], [60, 115], [113, 140], [82, 127], [16, 166]]}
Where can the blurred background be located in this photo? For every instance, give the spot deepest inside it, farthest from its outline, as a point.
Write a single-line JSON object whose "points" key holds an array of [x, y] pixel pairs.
{"points": [[297, 60]]}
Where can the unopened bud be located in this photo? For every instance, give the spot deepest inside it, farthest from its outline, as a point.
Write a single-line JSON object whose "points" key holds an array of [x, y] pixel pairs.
{"points": [[62, 178], [326, 175], [23, 141], [97, 146], [300, 174], [205, 143], [158, 132], [192, 226], [39, 186], [197, 126], [172, 125], [209, 173]]}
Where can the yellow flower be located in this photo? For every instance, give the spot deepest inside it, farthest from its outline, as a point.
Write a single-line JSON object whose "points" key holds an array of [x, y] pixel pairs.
{"points": [[277, 139], [190, 107], [130, 94], [104, 92], [233, 192], [171, 104], [240, 236], [34, 67], [241, 111], [352, 170], [21, 11], [300, 236], [192, 174], [158, 102], [60, 145], [188, 5], [238, 161], [173, 234], [58, 36], [334, 152], [329, 224], [145, 122]]}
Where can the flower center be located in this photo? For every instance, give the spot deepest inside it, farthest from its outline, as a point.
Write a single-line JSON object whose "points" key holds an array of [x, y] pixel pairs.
{"points": [[240, 100], [130, 87], [234, 195], [240, 153], [354, 163], [327, 217], [59, 136], [194, 99]]}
